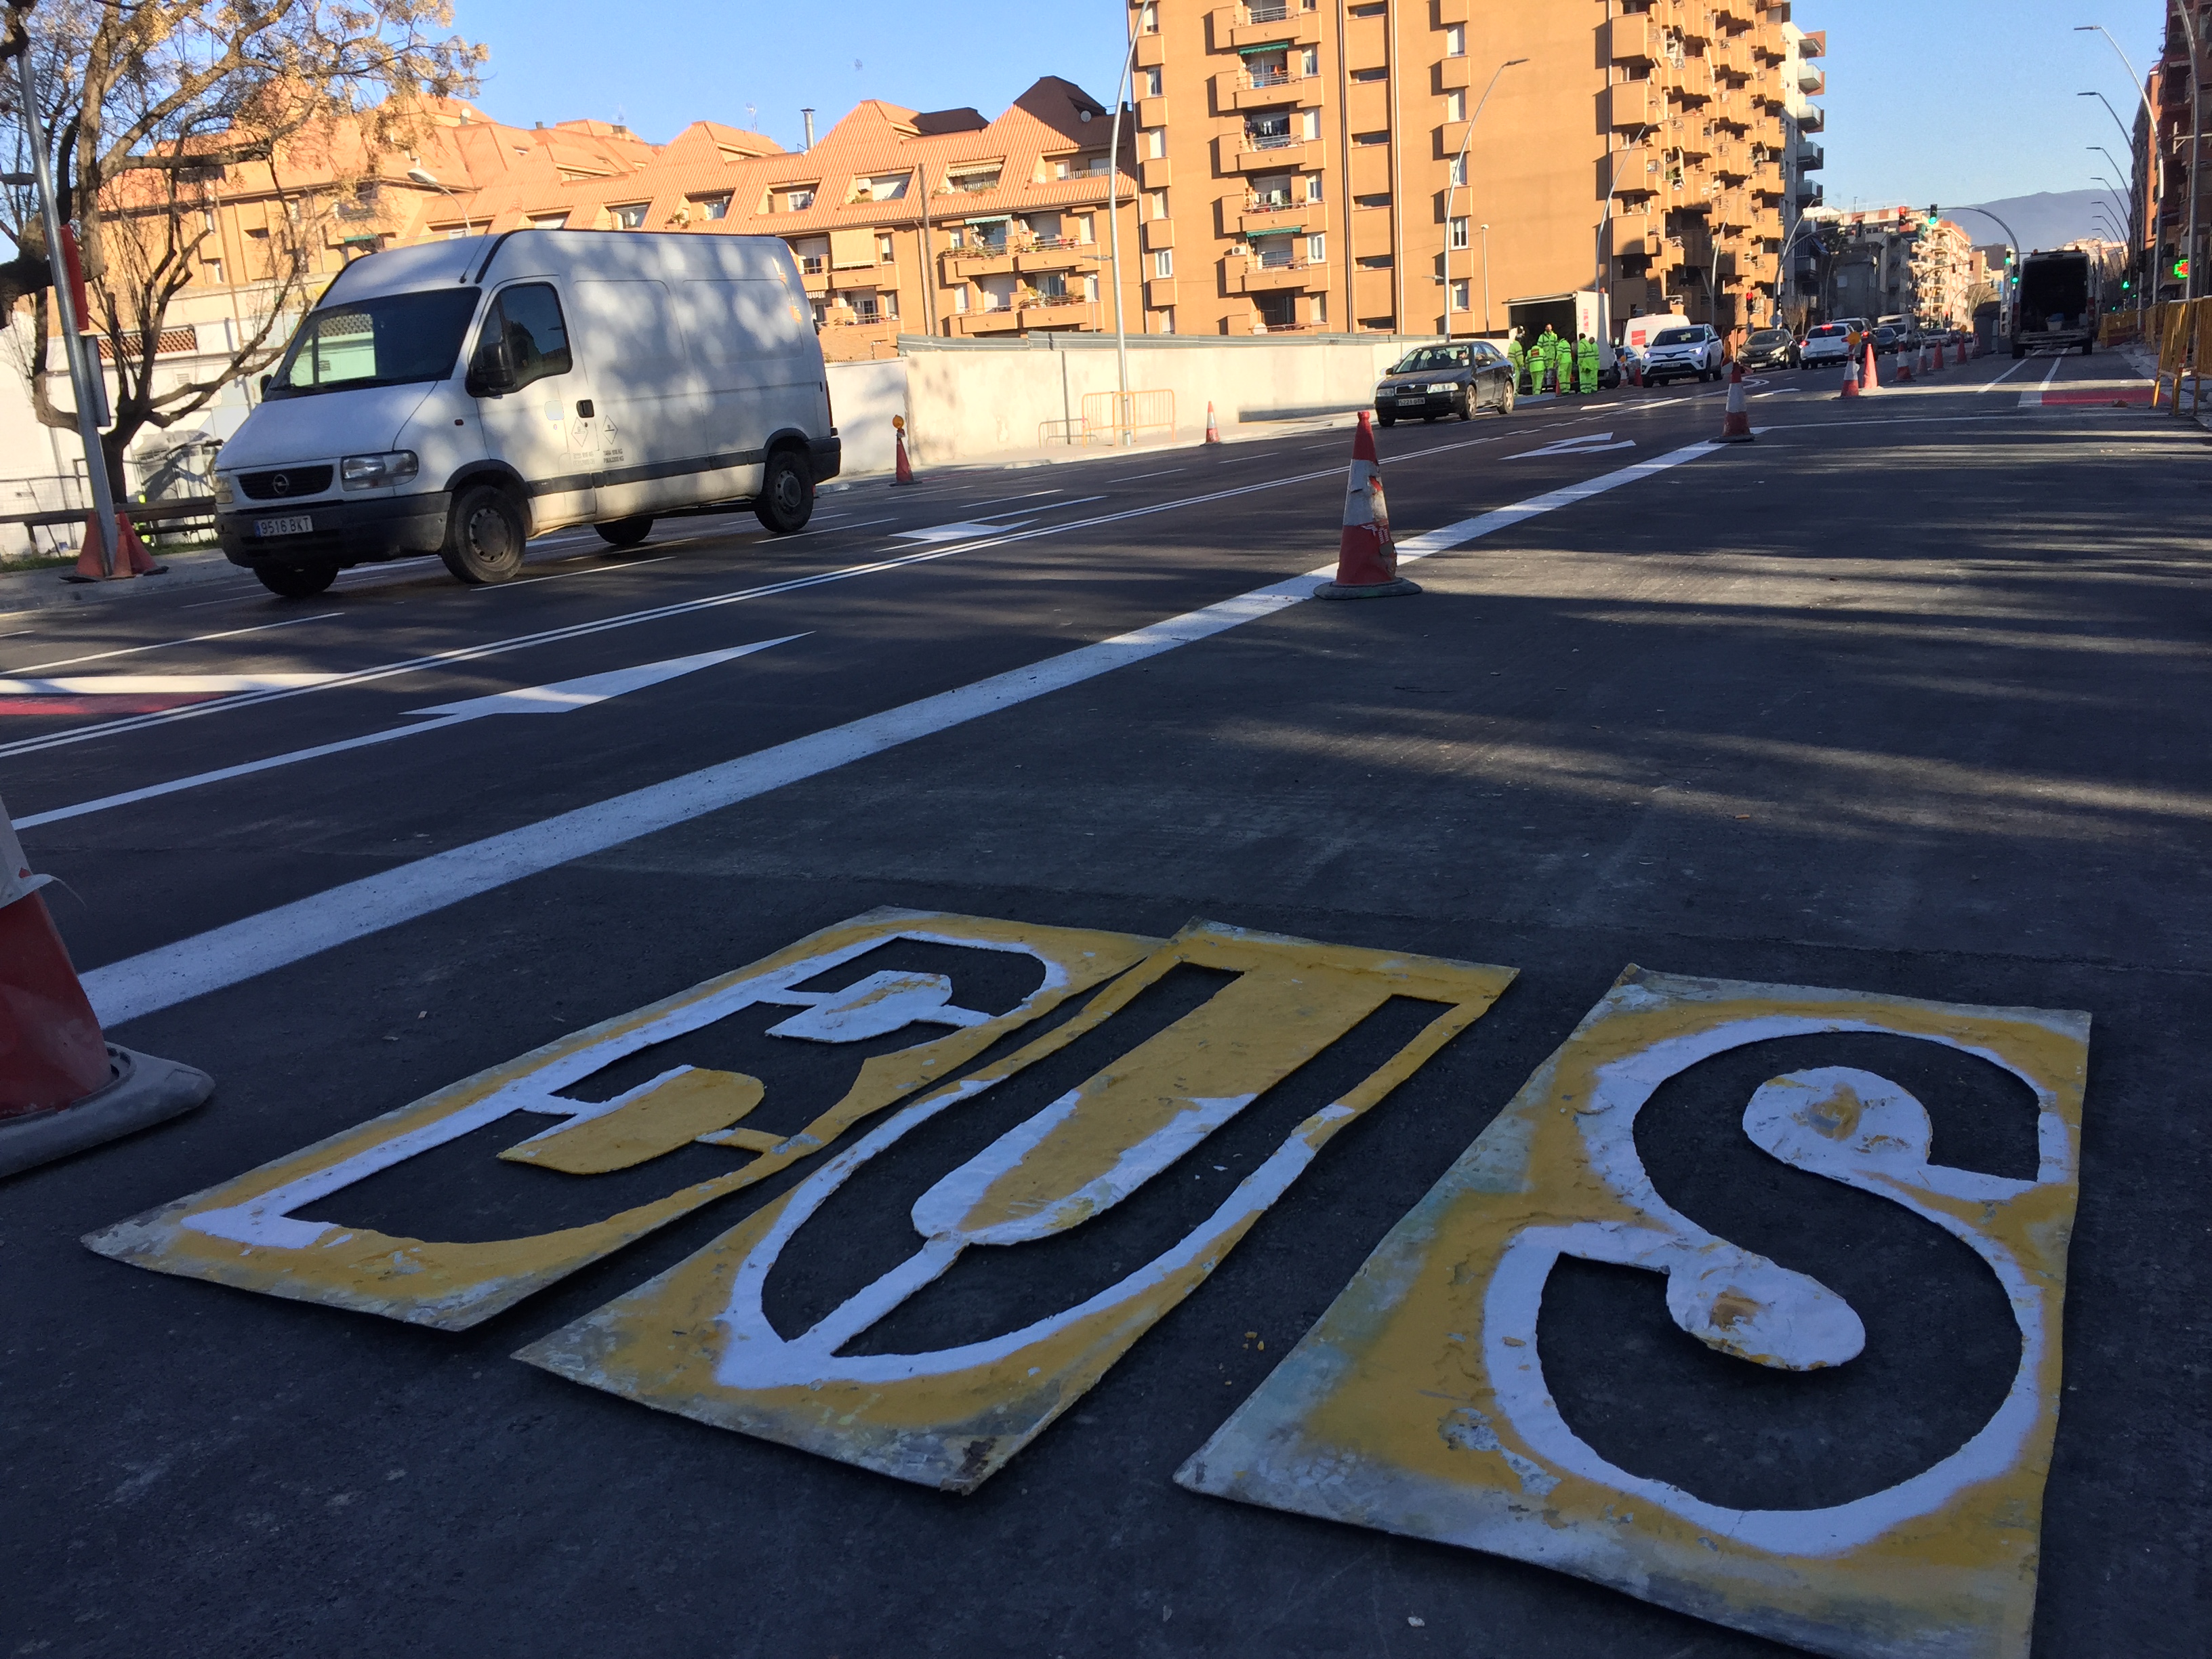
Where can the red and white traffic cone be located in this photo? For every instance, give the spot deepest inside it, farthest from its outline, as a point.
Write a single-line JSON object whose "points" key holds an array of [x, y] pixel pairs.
{"points": [[1961, 348], [63, 1087], [902, 472], [1904, 368], [1871, 380], [1367, 559], [132, 558], [1213, 426], [1850, 377], [1735, 426]]}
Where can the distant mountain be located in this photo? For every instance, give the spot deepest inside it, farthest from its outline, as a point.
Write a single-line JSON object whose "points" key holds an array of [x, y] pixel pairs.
{"points": [[2050, 219]]}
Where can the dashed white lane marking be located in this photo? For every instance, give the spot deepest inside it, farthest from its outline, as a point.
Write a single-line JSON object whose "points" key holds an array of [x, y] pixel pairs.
{"points": [[2033, 397], [560, 698], [256, 945], [163, 645], [158, 685]]}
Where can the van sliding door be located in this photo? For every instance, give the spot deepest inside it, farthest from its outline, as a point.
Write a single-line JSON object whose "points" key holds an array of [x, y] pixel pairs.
{"points": [[654, 404]]}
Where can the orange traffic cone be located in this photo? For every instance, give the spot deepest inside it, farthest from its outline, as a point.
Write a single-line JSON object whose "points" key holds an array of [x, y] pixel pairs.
{"points": [[1735, 426], [1851, 376], [1962, 349], [1366, 560], [903, 473], [1902, 370], [132, 558], [63, 1088], [1213, 426]]}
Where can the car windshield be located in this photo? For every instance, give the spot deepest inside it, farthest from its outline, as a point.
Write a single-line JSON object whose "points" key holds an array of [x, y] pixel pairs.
{"points": [[1769, 337], [1885, 334], [1676, 337], [383, 342], [1430, 358]]}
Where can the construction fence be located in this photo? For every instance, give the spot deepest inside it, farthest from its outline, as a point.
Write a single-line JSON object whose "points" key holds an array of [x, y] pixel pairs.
{"points": [[2182, 329]]}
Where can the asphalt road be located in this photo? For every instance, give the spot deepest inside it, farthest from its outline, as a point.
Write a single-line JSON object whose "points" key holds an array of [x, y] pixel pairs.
{"points": [[1907, 697]]}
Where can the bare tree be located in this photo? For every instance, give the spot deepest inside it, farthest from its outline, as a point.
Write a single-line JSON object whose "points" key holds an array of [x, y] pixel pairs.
{"points": [[149, 106]]}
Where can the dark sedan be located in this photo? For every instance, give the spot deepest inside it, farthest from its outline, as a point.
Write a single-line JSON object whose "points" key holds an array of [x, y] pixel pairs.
{"points": [[1445, 379], [1769, 347]]}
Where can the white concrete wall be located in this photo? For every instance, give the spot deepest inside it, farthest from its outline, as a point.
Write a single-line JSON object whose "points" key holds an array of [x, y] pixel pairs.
{"points": [[973, 401], [863, 397]]}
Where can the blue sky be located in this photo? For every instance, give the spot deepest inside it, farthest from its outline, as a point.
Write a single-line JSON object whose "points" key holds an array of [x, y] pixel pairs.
{"points": [[1949, 100]]}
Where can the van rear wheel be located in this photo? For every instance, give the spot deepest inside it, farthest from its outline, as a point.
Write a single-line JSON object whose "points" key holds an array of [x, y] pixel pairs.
{"points": [[786, 501], [626, 533], [296, 581], [485, 536]]}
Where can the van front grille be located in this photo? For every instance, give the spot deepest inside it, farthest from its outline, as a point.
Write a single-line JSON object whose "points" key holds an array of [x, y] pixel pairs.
{"points": [[286, 483]]}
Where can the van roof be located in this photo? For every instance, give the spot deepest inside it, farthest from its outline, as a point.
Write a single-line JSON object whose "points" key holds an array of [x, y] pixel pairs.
{"points": [[633, 254]]}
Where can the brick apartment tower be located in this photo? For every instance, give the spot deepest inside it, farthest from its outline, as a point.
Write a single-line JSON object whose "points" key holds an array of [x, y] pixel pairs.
{"points": [[1297, 160]]}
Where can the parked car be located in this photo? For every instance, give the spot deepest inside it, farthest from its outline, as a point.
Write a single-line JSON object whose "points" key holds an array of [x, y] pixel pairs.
{"points": [[1692, 351], [1769, 347], [1434, 380], [460, 397], [1827, 345], [1885, 340]]}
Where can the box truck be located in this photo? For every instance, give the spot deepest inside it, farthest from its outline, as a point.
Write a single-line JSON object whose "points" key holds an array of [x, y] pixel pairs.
{"points": [[2055, 304], [461, 396]]}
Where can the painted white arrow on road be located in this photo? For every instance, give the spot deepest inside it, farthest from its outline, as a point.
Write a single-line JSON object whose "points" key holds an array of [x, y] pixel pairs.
{"points": [[1590, 443], [560, 698]]}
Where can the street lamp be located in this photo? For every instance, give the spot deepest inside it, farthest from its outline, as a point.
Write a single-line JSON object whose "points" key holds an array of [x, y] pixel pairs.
{"points": [[423, 176], [2196, 125], [1451, 194], [1121, 86]]}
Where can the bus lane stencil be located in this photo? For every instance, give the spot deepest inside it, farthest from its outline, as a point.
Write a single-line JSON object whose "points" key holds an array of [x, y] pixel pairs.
{"points": [[697, 1340], [1419, 1404]]}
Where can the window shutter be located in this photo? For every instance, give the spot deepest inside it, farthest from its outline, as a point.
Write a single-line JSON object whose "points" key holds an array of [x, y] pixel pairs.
{"points": [[849, 248]]}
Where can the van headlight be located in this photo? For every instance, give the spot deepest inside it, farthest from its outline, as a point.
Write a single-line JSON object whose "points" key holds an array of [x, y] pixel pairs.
{"points": [[394, 466], [224, 495]]}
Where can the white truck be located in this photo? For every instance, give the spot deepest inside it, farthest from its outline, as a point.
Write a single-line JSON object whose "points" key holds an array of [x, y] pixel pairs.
{"points": [[461, 396]]}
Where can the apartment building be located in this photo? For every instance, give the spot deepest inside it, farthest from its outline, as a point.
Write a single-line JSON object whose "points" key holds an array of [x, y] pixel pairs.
{"points": [[1803, 79], [2166, 174], [1892, 261], [1332, 164]]}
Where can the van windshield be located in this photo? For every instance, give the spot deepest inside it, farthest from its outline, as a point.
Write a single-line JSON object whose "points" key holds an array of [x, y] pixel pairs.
{"points": [[383, 342]]}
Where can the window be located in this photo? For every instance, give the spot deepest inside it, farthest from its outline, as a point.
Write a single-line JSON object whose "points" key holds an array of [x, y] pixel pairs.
{"points": [[1159, 204], [454, 233], [1309, 123], [1370, 137], [1455, 107], [1316, 249], [548, 220], [890, 187], [798, 200], [1167, 321], [1310, 62], [212, 270], [630, 215], [712, 207], [1459, 169], [1459, 293], [523, 339], [1374, 262], [1458, 233], [395, 340], [1156, 142], [1151, 82], [1381, 201], [1313, 186], [1370, 74], [883, 253], [1148, 20], [973, 181], [1455, 40], [1164, 262], [960, 298]]}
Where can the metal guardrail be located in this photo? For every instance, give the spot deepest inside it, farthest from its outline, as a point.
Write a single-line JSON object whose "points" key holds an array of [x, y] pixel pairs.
{"points": [[166, 514]]}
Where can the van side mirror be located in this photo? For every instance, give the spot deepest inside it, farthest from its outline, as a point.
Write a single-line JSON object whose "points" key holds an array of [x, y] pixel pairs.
{"points": [[492, 373], [267, 380]]}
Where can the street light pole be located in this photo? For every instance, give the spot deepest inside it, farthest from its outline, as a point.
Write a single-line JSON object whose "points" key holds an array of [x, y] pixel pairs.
{"points": [[2005, 286], [1451, 194], [422, 175], [81, 372], [1605, 218], [1125, 437], [2152, 170]]}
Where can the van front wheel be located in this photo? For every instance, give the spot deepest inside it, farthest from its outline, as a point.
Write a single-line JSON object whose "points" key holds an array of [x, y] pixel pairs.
{"points": [[786, 501], [626, 533], [484, 537], [296, 581]]}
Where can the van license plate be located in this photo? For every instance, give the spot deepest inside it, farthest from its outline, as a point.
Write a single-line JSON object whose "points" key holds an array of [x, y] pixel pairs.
{"points": [[299, 525]]}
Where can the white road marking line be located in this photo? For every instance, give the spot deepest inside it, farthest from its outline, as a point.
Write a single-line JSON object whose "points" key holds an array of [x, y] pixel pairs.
{"points": [[2033, 397], [163, 645], [2003, 378], [1588, 443], [18, 634], [158, 685], [959, 529], [558, 575], [1162, 473], [560, 698], [256, 945]]}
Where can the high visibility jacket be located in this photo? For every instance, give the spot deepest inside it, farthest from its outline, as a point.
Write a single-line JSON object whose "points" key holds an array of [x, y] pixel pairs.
{"points": [[1516, 354], [1586, 357]]}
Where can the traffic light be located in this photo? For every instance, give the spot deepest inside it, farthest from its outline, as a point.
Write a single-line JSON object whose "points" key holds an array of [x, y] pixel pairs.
{"points": [[2181, 271], [1934, 215]]}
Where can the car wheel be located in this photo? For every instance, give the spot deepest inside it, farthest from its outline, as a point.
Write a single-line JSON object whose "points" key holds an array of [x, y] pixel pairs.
{"points": [[786, 501], [1381, 419], [485, 536], [296, 581], [1505, 403], [626, 533], [1465, 410]]}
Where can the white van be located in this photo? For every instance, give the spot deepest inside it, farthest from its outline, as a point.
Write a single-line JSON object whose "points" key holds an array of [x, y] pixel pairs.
{"points": [[460, 397]]}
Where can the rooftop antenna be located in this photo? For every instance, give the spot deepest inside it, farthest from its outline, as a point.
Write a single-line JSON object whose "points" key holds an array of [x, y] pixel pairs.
{"points": [[752, 117], [807, 116]]}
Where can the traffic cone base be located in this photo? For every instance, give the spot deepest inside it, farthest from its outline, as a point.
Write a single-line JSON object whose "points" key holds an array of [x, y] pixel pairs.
{"points": [[63, 1087], [132, 558], [1367, 559]]}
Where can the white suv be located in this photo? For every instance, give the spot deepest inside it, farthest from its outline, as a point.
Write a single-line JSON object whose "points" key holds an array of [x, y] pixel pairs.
{"points": [[1825, 346], [1688, 351]]}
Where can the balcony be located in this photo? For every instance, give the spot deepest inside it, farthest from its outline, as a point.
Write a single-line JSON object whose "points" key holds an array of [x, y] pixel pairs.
{"points": [[1629, 106], [1241, 153], [1277, 276], [1811, 118], [849, 339], [1270, 25], [1042, 313], [1155, 172], [1275, 218], [1242, 89], [964, 264], [1629, 40], [1058, 253], [1629, 240], [1810, 80], [1811, 158]]}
